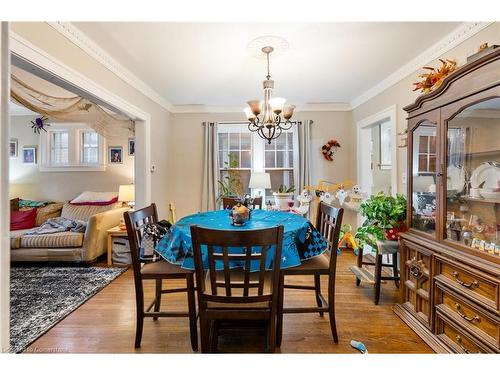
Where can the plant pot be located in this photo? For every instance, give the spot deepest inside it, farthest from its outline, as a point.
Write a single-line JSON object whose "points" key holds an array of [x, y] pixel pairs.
{"points": [[281, 200]]}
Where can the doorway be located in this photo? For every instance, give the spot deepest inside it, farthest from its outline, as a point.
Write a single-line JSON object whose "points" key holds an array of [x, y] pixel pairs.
{"points": [[377, 153]]}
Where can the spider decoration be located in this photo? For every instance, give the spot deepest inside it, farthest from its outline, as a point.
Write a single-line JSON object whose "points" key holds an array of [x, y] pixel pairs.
{"points": [[39, 124], [329, 149]]}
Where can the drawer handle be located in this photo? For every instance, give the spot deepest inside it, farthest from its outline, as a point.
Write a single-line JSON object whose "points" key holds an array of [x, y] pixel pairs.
{"points": [[459, 341], [473, 284], [469, 319]]}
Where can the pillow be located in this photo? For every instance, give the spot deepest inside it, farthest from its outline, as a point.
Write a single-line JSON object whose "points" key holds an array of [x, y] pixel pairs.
{"points": [[112, 201], [93, 197], [22, 219], [14, 204], [48, 212]]}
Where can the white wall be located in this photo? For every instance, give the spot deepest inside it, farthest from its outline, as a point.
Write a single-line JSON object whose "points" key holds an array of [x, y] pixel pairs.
{"points": [[26, 181]]}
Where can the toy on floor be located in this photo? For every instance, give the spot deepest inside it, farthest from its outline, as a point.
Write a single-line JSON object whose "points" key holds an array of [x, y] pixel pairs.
{"points": [[348, 238], [360, 346]]}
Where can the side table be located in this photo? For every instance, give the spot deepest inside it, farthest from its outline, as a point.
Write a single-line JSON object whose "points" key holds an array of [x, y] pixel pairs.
{"points": [[114, 232]]}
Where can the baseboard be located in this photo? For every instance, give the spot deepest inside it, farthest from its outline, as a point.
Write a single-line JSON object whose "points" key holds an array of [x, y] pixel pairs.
{"points": [[429, 338]]}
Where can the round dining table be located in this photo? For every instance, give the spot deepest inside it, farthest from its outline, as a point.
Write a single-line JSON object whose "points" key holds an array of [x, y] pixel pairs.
{"points": [[301, 240]]}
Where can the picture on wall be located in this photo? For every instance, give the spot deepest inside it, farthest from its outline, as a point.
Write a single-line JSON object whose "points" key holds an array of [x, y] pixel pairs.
{"points": [[13, 152], [131, 146], [115, 154], [29, 155]]}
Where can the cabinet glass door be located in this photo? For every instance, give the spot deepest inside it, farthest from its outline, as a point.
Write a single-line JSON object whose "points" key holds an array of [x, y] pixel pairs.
{"points": [[424, 167], [473, 177]]}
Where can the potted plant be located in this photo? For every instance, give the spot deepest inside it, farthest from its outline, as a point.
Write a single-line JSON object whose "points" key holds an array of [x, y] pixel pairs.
{"points": [[385, 217], [230, 185], [283, 196]]}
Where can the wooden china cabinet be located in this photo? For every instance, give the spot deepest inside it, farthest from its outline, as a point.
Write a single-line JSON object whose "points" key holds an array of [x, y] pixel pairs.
{"points": [[450, 256]]}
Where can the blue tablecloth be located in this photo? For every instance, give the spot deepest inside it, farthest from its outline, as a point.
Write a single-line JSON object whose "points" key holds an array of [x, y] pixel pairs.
{"points": [[300, 240]]}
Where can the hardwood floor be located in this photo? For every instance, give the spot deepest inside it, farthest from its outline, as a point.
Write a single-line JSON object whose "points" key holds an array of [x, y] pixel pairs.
{"points": [[106, 323]]}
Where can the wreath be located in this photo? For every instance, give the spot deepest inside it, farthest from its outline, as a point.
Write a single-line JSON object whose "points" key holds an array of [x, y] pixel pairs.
{"points": [[329, 149]]}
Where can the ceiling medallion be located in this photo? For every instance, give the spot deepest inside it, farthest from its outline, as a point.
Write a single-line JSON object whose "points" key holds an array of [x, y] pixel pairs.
{"points": [[270, 117]]}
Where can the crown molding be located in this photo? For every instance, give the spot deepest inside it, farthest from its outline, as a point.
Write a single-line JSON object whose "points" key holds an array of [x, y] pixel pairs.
{"points": [[311, 107], [451, 40], [77, 37]]}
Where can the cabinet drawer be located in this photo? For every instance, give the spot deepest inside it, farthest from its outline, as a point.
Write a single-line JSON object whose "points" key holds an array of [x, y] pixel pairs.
{"points": [[479, 287], [481, 324], [456, 338]]}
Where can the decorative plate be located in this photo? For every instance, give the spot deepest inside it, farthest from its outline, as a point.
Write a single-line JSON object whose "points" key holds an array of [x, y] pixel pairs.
{"points": [[488, 172]]}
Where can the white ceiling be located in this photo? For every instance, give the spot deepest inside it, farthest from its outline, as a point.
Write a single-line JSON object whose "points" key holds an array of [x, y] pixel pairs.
{"points": [[210, 64]]}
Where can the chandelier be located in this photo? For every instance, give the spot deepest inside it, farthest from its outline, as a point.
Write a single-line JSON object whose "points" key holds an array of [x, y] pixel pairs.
{"points": [[271, 116]]}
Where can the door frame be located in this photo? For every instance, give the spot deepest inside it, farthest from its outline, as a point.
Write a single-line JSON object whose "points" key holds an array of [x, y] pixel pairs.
{"points": [[363, 138], [13, 44]]}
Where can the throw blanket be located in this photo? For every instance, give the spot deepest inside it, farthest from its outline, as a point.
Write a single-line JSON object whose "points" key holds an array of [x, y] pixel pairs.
{"points": [[60, 224]]}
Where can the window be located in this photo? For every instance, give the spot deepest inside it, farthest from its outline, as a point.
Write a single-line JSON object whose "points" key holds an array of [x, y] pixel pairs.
{"points": [[385, 145], [59, 146], [90, 147], [427, 154], [241, 152], [72, 147]]}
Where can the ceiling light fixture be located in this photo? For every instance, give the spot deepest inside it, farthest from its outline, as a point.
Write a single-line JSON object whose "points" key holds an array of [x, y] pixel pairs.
{"points": [[270, 117]]}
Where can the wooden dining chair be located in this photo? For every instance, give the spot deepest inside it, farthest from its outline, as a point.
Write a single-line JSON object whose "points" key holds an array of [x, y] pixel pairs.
{"points": [[158, 271], [236, 295], [328, 223], [228, 202]]}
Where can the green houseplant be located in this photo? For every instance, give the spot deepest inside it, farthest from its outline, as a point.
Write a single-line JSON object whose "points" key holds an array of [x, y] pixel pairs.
{"points": [[230, 185], [383, 213]]}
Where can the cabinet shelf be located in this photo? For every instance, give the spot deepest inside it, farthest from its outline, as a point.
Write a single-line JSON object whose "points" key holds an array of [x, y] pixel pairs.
{"points": [[482, 200]]}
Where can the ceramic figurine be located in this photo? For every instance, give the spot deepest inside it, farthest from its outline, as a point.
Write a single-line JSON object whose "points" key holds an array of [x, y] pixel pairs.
{"points": [[239, 214], [304, 202], [356, 194], [326, 197], [341, 195]]}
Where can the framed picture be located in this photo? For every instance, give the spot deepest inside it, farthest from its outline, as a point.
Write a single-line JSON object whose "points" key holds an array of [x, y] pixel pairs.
{"points": [[115, 154], [131, 146], [29, 155], [13, 152]]}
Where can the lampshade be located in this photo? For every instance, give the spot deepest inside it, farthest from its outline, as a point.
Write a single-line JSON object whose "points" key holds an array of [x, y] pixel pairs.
{"points": [[126, 193], [277, 104], [260, 180], [248, 113]]}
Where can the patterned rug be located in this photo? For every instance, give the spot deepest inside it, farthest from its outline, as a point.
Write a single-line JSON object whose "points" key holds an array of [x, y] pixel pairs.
{"points": [[43, 296]]}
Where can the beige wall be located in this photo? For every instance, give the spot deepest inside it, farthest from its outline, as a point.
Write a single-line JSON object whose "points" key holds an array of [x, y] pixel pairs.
{"points": [[401, 93], [47, 39], [186, 146], [26, 181]]}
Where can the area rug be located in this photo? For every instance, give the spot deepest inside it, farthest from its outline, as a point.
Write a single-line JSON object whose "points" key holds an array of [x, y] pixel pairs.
{"points": [[42, 296]]}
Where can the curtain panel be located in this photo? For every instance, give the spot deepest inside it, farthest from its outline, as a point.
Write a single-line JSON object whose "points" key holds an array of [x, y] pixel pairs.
{"points": [[304, 137], [210, 167]]}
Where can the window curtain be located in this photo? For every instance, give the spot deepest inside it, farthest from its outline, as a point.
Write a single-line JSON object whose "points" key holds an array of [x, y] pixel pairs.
{"points": [[304, 138], [72, 109], [210, 167]]}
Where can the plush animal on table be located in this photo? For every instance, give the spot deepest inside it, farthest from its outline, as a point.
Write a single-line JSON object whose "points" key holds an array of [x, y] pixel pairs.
{"points": [[304, 202]]}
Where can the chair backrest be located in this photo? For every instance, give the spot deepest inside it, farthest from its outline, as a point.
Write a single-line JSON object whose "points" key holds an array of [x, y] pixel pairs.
{"points": [[237, 286], [328, 223], [228, 202], [135, 221]]}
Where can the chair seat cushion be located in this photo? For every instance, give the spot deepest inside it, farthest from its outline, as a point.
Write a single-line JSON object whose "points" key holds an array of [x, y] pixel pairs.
{"points": [[52, 240], [237, 276], [320, 262], [162, 268]]}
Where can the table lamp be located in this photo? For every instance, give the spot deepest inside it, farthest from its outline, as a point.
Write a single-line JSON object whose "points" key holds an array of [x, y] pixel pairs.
{"points": [[126, 194], [260, 181]]}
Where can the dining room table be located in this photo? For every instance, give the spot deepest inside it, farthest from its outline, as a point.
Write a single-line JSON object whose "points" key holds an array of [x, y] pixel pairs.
{"points": [[301, 240]]}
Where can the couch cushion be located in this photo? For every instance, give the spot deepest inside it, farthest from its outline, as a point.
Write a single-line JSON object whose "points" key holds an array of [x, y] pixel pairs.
{"points": [[74, 212], [47, 212], [52, 240], [22, 219], [15, 238]]}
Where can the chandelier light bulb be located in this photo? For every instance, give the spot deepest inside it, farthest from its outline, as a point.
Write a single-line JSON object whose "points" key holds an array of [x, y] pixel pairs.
{"points": [[277, 104], [249, 114]]}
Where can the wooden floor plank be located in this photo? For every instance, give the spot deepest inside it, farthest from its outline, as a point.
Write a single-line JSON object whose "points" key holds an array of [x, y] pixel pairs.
{"points": [[106, 323]]}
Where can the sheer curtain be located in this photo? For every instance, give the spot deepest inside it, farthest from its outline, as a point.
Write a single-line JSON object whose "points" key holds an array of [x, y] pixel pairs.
{"points": [[304, 137], [210, 167]]}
